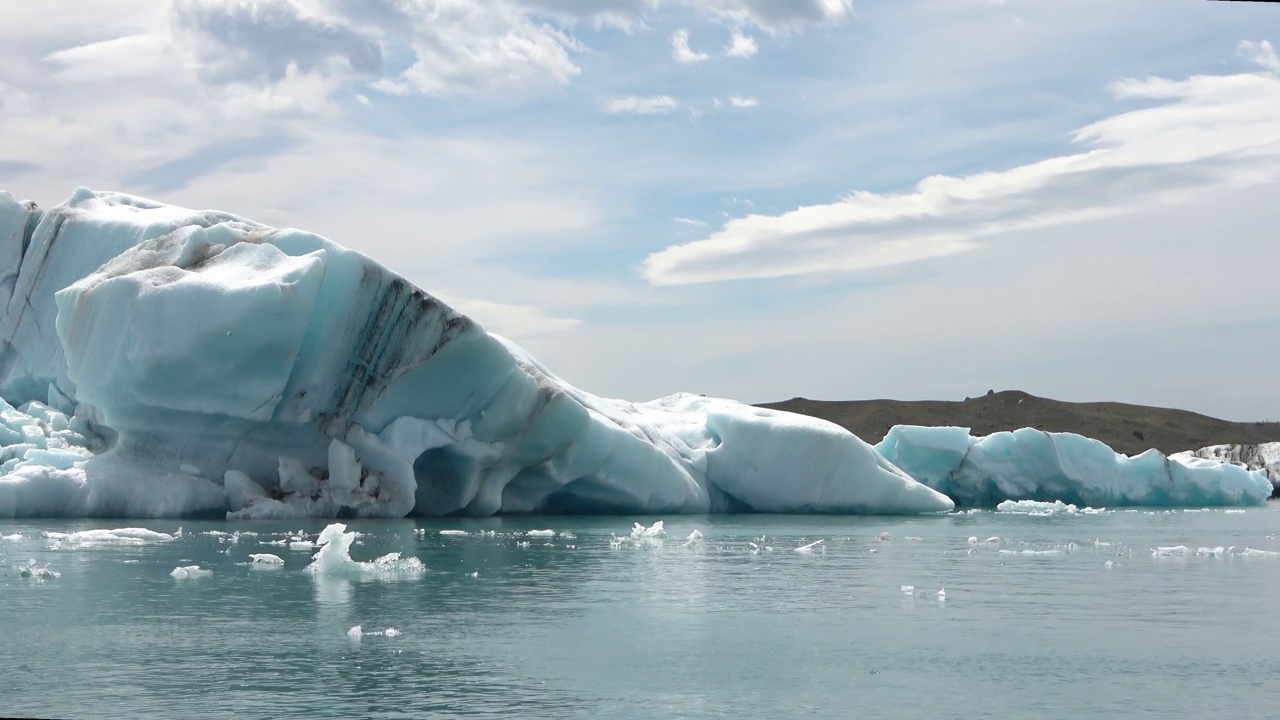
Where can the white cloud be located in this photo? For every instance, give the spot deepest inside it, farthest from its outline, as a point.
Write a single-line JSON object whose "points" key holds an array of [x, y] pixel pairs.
{"points": [[689, 221], [1261, 53], [517, 322], [773, 16], [739, 101], [680, 49], [635, 105], [741, 46], [1212, 131]]}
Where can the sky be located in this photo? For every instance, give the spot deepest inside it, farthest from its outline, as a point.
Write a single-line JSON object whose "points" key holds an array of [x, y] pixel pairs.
{"points": [[755, 199]]}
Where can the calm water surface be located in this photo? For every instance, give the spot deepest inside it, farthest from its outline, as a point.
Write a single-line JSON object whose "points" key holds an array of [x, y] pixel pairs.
{"points": [[1068, 615]]}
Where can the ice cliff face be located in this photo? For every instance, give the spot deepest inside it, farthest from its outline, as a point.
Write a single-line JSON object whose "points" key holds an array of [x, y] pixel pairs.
{"points": [[235, 368], [1029, 464]]}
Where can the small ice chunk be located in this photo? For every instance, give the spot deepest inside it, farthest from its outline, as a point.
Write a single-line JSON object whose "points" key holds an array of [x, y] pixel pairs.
{"points": [[391, 632], [908, 589], [355, 632], [942, 594], [694, 539], [458, 533], [1169, 551], [266, 559], [1108, 564], [884, 537], [189, 469], [541, 533], [973, 539], [1255, 553], [810, 548], [189, 571]]}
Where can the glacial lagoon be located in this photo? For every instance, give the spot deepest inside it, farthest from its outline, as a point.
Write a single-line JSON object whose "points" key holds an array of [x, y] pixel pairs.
{"points": [[1034, 611]]}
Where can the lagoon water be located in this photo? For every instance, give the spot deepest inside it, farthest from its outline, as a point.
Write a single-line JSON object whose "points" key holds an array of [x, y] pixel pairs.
{"points": [[1061, 615]]}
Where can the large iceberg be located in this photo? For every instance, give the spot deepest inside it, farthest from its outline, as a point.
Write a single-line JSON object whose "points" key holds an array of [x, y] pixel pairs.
{"points": [[160, 361], [1030, 464]]}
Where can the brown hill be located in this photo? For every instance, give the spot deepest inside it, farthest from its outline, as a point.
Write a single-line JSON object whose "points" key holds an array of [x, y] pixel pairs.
{"points": [[1130, 429]]}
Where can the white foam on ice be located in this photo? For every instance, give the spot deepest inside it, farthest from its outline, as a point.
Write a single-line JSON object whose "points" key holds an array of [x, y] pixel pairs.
{"points": [[334, 558]]}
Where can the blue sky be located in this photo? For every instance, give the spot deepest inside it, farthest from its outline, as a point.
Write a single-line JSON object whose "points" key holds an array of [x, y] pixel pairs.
{"points": [[756, 199]]}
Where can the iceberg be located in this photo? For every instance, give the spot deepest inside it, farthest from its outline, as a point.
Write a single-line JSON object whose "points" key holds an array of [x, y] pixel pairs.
{"points": [[1032, 465], [207, 365], [1264, 457]]}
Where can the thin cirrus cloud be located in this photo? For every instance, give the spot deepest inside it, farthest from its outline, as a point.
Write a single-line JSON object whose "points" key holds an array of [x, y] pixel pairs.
{"points": [[641, 105], [1204, 132]]}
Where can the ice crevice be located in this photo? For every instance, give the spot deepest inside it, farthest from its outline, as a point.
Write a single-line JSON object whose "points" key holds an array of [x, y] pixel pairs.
{"points": [[165, 362]]}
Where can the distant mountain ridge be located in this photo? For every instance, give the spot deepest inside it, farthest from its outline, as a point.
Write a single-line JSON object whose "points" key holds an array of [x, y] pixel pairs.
{"points": [[1129, 429]]}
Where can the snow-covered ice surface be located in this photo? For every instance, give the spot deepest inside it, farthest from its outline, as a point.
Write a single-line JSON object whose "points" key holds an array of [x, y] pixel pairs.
{"points": [[1029, 464], [235, 369]]}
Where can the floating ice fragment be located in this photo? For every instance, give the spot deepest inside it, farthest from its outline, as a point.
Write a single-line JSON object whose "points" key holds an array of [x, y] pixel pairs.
{"points": [[884, 537], [189, 571], [190, 469], [1108, 564], [474, 573], [568, 535], [355, 633], [15, 537], [908, 589], [1169, 551], [1216, 552], [942, 594], [694, 539], [1033, 507], [993, 540], [266, 559], [811, 547], [1234, 511], [456, 533], [973, 539], [334, 558], [35, 571], [1249, 552], [541, 533], [120, 536], [913, 538]]}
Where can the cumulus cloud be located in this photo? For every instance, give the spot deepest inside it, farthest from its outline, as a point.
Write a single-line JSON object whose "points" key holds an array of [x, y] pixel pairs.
{"points": [[680, 49], [635, 105], [741, 46], [1209, 131], [739, 101]]}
